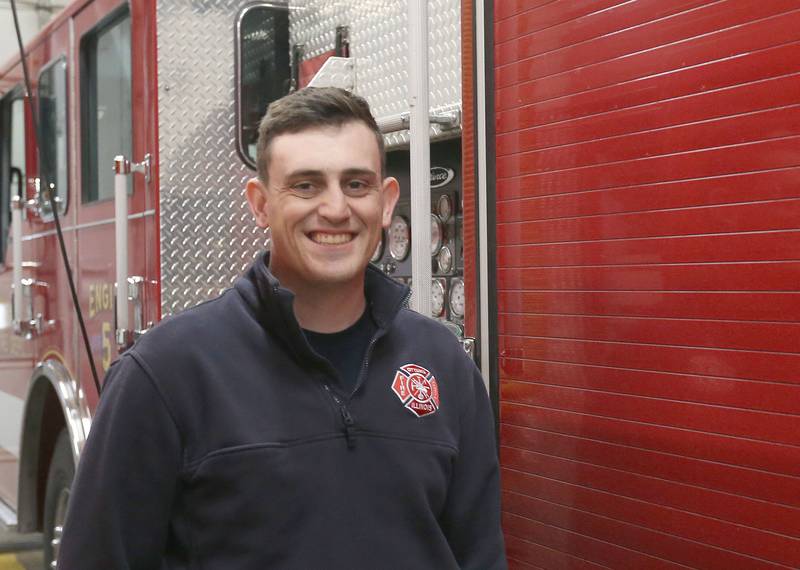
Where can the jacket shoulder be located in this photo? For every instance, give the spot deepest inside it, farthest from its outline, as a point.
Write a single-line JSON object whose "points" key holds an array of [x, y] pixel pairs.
{"points": [[431, 337], [413, 322], [183, 339], [193, 321]]}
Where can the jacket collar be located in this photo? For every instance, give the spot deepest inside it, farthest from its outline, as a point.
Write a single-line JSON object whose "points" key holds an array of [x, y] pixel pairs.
{"points": [[273, 303]]}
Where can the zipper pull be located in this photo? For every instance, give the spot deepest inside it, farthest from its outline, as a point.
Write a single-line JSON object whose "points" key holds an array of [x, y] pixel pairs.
{"points": [[348, 421], [332, 395]]}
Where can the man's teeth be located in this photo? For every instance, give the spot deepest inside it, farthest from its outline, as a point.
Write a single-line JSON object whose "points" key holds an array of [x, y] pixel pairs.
{"points": [[332, 239]]}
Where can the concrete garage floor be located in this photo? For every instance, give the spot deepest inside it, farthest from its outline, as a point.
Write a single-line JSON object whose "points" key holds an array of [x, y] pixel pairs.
{"points": [[20, 552]]}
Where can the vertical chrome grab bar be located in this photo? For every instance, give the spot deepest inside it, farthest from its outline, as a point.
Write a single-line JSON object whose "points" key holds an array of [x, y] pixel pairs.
{"points": [[122, 168], [16, 233]]}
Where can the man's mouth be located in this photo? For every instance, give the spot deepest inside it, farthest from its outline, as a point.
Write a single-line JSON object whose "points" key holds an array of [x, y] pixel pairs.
{"points": [[330, 239]]}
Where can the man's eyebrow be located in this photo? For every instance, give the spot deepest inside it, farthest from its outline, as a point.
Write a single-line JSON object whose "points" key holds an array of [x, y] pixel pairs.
{"points": [[308, 173], [312, 173], [360, 172]]}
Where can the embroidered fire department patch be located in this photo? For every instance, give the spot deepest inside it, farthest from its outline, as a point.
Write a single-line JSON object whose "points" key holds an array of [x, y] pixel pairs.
{"points": [[417, 389]]}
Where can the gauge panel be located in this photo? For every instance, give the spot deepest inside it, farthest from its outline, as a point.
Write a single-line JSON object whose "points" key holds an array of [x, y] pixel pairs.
{"points": [[437, 234], [378, 253], [444, 260], [446, 245], [438, 297], [444, 207], [457, 302], [399, 238]]}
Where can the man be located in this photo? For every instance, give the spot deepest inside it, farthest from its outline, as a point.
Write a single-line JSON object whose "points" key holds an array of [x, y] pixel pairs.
{"points": [[305, 419]]}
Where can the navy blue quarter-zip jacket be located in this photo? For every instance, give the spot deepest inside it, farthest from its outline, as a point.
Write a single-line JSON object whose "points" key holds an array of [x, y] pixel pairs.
{"points": [[222, 442]]}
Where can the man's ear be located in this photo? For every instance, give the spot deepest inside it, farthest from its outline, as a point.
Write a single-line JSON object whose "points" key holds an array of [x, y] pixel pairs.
{"points": [[391, 193], [257, 200]]}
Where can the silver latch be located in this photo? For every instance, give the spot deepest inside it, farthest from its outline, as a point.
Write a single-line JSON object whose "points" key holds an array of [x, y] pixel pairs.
{"points": [[445, 119], [468, 344], [124, 166], [33, 204], [40, 204], [33, 323], [126, 337], [136, 285]]}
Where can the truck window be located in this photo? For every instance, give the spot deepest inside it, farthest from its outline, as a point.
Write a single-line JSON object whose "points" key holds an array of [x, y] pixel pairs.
{"points": [[263, 70], [53, 144], [106, 109], [17, 144], [12, 158]]}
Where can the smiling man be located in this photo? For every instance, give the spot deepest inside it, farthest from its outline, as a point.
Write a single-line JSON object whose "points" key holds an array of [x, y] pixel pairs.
{"points": [[305, 419], [321, 192]]}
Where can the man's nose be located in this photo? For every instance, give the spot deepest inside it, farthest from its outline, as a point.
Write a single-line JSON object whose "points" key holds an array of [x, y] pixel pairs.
{"points": [[334, 207]]}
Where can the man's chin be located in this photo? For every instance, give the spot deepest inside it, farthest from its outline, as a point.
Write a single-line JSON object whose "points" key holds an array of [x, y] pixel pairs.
{"points": [[336, 273]]}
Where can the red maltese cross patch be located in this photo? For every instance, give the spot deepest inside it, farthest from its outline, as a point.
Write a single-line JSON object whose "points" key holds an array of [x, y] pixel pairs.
{"points": [[417, 389]]}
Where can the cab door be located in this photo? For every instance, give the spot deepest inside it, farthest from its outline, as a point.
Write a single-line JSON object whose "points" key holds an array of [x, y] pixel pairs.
{"points": [[16, 354], [114, 120], [43, 330]]}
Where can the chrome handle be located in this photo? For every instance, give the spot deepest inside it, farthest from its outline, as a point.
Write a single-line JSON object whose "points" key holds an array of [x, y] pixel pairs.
{"points": [[45, 203], [468, 344], [136, 285], [125, 337], [135, 293], [33, 204], [40, 203], [32, 323], [445, 119], [123, 166]]}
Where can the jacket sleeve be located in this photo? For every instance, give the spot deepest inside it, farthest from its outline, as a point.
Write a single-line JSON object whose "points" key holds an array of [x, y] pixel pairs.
{"points": [[471, 519], [121, 499]]}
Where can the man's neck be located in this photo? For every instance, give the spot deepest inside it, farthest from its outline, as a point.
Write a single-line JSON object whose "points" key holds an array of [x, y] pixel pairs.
{"points": [[327, 308]]}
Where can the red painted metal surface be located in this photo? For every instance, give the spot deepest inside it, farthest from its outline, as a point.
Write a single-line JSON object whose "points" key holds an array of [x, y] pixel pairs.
{"points": [[648, 224], [19, 357], [54, 342], [89, 228], [96, 239]]}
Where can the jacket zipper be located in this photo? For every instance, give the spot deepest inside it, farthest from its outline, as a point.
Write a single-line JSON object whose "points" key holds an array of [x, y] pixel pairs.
{"points": [[347, 419], [376, 336]]}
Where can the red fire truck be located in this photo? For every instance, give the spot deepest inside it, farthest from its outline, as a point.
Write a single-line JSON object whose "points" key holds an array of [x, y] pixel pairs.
{"points": [[607, 218]]}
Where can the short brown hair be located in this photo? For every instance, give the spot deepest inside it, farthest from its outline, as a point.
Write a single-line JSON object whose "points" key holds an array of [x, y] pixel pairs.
{"points": [[310, 108]]}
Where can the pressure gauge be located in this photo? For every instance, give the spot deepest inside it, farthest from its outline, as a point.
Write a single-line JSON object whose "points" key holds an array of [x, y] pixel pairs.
{"points": [[445, 259], [378, 253], [399, 238], [445, 207], [437, 297], [457, 297], [437, 234]]}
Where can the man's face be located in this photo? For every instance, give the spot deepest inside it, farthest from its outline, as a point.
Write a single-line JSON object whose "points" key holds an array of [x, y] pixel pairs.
{"points": [[325, 204]]}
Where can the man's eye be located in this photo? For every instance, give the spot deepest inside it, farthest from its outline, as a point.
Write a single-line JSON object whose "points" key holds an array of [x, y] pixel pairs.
{"points": [[304, 187], [357, 186]]}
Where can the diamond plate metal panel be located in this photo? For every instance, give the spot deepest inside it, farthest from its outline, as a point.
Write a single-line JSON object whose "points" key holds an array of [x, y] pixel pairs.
{"points": [[207, 233], [379, 42]]}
